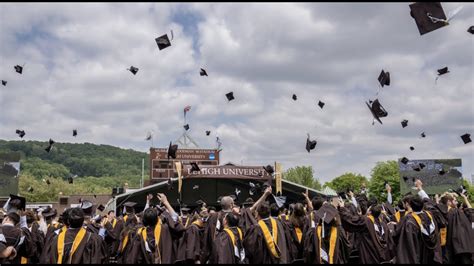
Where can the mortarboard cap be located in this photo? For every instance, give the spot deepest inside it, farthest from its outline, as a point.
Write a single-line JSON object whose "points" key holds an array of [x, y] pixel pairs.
{"points": [[30, 189], [21, 201], [279, 200], [412, 148], [310, 144], [208, 132], [417, 168], [471, 30], [384, 78], [405, 178], [441, 172], [74, 132], [294, 97], [49, 212], [203, 72], [342, 195], [422, 165], [48, 182], [389, 208], [195, 187], [18, 69], [429, 16], [466, 138], [404, 123], [51, 142], [269, 169], [230, 96], [443, 71], [377, 110], [163, 42], [101, 208], [248, 202], [172, 149], [21, 133], [321, 104], [327, 212], [195, 167], [404, 160], [423, 135], [70, 180], [4, 82], [133, 69], [186, 127]]}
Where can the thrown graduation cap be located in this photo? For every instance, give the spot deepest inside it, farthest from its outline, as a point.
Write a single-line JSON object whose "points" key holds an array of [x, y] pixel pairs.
{"points": [[294, 97], [405, 178], [21, 133], [195, 167], [237, 193], [30, 189], [74, 132], [327, 213], [441, 172], [443, 71], [417, 168], [101, 208], [404, 160], [21, 201], [412, 148], [471, 30], [133, 69], [404, 123], [163, 42], [4, 82], [230, 96], [169, 184], [18, 69], [429, 16], [342, 195], [384, 78], [269, 169], [423, 135], [172, 149], [279, 200], [253, 189], [195, 187], [466, 138], [129, 204], [148, 136], [51, 142], [186, 127], [47, 181], [208, 132], [377, 110], [321, 104], [70, 180], [310, 144], [203, 72]]}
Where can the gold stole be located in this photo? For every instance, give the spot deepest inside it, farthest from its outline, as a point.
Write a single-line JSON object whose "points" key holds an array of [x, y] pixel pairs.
{"points": [[232, 236], [114, 223], [397, 216], [272, 241], [332, 243], [125, 218], [299, 234], [157, 235], [124, 243], [24, 260], [418, 219], [199, 223], [77, 241]]}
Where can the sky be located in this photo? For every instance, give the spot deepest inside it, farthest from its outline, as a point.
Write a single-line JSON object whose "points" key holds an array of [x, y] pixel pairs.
{"points": [[75, 76]]}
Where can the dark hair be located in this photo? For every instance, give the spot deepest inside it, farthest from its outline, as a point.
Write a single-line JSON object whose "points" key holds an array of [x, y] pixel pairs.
{"points": [[444, 199], [211, 208], [400, 205], [76, 217], [14, 217], [30, 217], [373, 201], [416, 203], [232, 219], [150, 217], [317, 203], [298, 215], [274, 210], [263, 210], [65, 217], [376, 210], [108, 213]]}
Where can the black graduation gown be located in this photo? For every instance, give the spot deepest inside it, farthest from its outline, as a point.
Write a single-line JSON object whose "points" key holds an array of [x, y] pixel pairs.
{"points": [[256, 247], [224, 249], [413, 247], [295, 247], [190, 245], [460, 237], [89, 251], [112, 237], [374, 248], [13, 235], [38, 240]]}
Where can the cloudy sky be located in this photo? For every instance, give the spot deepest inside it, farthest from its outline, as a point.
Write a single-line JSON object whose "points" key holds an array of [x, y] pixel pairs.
{"points": [[75, 76]]}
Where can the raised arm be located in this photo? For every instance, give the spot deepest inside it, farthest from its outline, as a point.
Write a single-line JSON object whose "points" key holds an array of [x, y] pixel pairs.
{"points": [[466, 200], [389, 194], [419, 187], [350, 222], [164, 200], [268, 191], [308, 201]]}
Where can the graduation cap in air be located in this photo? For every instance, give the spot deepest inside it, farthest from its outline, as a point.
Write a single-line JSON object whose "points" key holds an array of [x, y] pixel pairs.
{"points": [[310, 144], [279, 200], [19, 202], [405, 178], [48, 182], [133, 69], [412, 148], [253, 189], [269, 169], [327, 213], [129, 206], [4, 82], [203, 72], [169, 184], [18, 69], [321, 104], [21, 133], [443, 71], [342, 194], [195, 187], [466, 138], [404, 160], [49, 212], [248, 202], [30, 189], [230, 96], [237, 192], [423, 135], [377, 110], [87, 207], [429, 16], [460, 190], [384, 78], [70, 180], [294, 97], [441, 171], [74, 132], [422, 165], [208, 132], [195, 167], [101, 208], [417, 168], [172, 149], [404, 123], [186, 127], [51, 143], [471, 30], [163, 42]]}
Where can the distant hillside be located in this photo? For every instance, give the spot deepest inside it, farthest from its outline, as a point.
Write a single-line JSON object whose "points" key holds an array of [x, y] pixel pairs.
{"points": [[98, 167]]}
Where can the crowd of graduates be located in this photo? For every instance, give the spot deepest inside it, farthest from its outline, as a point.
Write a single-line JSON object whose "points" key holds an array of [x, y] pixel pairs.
{"points": [[322, 230]]}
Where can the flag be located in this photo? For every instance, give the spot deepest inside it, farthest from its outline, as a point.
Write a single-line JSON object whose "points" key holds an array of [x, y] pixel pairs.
{"points": [[179, 168], [219, 143], [278, 178]]}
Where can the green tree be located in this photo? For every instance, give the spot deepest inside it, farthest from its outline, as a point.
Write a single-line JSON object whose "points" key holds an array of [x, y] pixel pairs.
{"points": [[385, 171], [302, 175], [347, 181]]}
